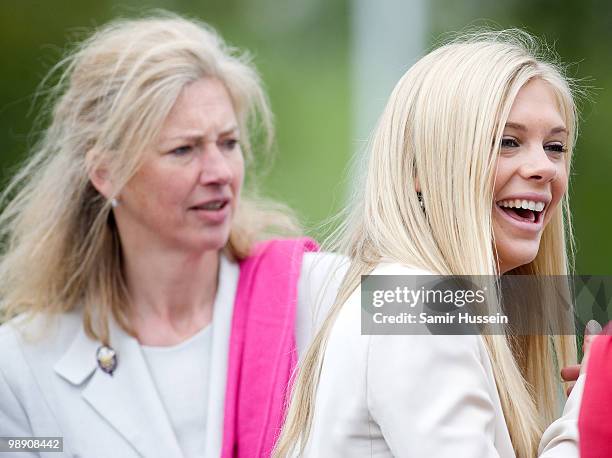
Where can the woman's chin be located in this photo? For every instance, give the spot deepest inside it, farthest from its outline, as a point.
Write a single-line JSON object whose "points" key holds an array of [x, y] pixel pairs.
{"points": [[517, 253], [208, 242], [215, 244]]}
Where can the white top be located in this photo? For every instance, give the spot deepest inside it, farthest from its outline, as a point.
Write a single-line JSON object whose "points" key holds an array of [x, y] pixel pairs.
{"points": [[50, 384], [416, 396], [181, 375]]}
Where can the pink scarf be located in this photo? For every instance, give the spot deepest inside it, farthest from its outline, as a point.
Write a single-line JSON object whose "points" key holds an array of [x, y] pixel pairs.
{"points": [[262, 353]]}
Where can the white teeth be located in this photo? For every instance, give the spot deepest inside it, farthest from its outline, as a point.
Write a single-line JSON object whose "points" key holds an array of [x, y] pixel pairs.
{"points": [[526, 204]]}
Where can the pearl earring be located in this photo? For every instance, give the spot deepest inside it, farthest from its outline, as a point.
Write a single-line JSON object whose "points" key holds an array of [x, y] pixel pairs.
{"points": [[114, 202]]}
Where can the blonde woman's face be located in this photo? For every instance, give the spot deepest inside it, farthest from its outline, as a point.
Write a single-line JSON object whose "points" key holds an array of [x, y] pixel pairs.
{"points": [[531, 174], [185, 194]]}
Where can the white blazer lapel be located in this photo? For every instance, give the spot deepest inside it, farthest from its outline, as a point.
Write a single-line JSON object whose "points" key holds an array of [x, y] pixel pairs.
{"points": [[128, 399]]}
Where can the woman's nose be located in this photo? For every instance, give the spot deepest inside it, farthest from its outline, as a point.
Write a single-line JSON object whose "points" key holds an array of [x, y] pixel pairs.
{"points": [[214, 166], [539, 166]]}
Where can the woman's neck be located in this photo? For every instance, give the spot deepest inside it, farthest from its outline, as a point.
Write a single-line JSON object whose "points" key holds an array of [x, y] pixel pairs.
{"points": [[171, 294]]}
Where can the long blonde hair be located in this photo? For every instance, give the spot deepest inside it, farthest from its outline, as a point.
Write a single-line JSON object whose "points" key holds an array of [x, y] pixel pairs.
{"points": [[441, 129], [60, 244]]}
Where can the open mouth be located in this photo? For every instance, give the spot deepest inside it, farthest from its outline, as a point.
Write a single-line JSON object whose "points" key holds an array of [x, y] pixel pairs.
{"points": [[213, 205], [527, 211]]}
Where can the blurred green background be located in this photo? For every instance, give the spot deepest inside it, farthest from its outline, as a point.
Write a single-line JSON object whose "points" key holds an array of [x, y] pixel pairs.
{"points": [[303, 51]]}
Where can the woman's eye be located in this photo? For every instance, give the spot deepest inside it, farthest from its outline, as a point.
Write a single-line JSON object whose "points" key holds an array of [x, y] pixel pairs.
{"points": [[229, 144], [555, 147], [181, 150], [509, 142]]}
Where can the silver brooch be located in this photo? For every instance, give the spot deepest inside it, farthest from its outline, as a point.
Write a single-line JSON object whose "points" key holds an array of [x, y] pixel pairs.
{"points": [[107, 359]]}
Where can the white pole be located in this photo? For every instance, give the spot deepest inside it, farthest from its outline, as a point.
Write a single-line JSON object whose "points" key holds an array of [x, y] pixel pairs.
{"points": [[388, 36]]}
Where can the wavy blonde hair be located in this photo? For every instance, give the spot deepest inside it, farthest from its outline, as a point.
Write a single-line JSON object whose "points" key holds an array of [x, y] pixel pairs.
{"points": [[442, 128], [60, 245]]}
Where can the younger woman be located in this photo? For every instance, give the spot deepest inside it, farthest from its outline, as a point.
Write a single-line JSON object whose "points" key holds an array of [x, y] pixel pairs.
{"points": [[468, 174]]}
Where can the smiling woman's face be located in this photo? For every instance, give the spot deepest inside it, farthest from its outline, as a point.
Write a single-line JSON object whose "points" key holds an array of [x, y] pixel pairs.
{"points": [[531, 174]]}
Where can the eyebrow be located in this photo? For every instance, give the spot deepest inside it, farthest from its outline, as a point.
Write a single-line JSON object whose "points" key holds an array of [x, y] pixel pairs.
{"points": [[522, 127], [232, 129]]}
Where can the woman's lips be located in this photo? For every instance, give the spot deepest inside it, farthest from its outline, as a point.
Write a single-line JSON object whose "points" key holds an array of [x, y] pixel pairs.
{"points": [[520, 223], [214, 212]]}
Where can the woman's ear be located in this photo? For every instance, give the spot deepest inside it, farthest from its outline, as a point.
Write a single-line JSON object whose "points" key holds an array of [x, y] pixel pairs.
{"points": [[98, 172]]}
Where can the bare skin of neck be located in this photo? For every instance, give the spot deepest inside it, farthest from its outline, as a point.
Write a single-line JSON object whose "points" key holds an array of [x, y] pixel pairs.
{"points": [[171, 294]]}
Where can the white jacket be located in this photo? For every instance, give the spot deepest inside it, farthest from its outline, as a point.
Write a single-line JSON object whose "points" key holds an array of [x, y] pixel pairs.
{"points": [[416, 396], [50, 385]]}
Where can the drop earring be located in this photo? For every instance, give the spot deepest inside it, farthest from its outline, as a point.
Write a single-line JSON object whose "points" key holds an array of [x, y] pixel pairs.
{"points": [[420, 198]]}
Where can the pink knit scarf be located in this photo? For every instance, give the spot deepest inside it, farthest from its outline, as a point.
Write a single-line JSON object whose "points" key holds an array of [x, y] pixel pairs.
{"points": [[262, 353]]}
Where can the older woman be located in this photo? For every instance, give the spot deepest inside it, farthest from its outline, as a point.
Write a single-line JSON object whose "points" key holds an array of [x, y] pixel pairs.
{"points": [[149, 321]]}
